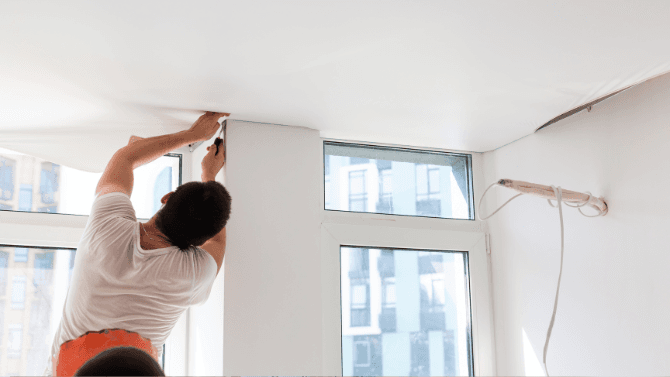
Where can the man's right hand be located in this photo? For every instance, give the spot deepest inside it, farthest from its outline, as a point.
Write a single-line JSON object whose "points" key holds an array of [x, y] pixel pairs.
{"points": [[212, 162]]}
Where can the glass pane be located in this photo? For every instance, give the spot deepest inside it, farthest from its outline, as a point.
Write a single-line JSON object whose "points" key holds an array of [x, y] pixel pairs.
{"points": [[32, 296], [52, 188], [397, 181], [406, 314]]}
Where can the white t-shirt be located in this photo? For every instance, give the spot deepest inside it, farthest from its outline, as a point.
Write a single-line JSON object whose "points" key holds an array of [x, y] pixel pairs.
{"points": [[116, 284]]}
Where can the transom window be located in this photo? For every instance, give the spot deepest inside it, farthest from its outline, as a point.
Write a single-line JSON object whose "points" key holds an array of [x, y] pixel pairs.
{"points": [[396, 181], [64, 190]]}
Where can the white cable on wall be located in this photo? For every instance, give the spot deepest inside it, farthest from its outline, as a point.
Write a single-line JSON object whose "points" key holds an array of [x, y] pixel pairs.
{"points": [[558, 192]]}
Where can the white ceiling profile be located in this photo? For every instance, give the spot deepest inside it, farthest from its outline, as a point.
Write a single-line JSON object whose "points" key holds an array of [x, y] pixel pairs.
{"points": [[78, 78]]}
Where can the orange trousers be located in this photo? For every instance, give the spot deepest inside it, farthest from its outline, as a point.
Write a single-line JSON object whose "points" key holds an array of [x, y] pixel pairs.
{"points": [[75, 353]]}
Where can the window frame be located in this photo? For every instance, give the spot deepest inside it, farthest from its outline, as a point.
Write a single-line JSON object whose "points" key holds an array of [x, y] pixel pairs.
{"points": [[375, 181], [64, 231], [386, 231]]}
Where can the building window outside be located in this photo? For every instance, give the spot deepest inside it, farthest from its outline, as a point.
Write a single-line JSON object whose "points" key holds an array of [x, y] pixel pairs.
{"points": [[14, 338], [26, 198], [428, 190], [358, 201], [359, 273], [4, 261], [44, 264], [360, 304], [7, 178], [362, 351], [49, 182], [18, 292], [388, 292], [367, 355], [432, 294], [386, 268], [385, 204], [20, 254]]}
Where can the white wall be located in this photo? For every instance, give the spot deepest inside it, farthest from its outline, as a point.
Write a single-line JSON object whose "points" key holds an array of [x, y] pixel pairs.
{"points": [[614, 300], [272, 265]]}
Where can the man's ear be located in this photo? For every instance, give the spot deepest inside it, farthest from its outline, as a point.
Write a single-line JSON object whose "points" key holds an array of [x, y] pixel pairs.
{"points": [[165, 197]]}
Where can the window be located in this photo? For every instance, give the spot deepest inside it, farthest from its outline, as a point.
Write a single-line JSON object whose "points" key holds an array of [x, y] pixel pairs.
{"points": [[359, 272], [7, 167], [357, 194], [20, 254], [388, 293], [397, 181], [326, 186], [162, 186], [360, 307], [26, 198], [428, 190], [39, 292], [362, 353], [49, 182], [385, 204], [36, 290], [410, 331], [4, 260], [65, 190], [14, 338], [44, 264], [18, 292]]}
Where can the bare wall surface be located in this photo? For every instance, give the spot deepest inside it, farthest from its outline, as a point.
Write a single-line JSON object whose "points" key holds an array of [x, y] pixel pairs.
{"points": [[614, 300], [272, 312]]}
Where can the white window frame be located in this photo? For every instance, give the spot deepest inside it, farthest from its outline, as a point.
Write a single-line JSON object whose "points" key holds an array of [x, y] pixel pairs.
{"points": [[380, 231], [35, 229]]}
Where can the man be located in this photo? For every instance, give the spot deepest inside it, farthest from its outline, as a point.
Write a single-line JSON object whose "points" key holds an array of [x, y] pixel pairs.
{"points": [[138, 278]]}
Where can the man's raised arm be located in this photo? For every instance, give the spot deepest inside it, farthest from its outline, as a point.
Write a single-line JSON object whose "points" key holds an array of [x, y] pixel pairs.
{"points": [[141, 151]]}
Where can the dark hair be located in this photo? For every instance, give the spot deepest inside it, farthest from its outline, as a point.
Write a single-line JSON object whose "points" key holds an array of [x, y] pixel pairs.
{"points": [[194, 213], [121, 361]]}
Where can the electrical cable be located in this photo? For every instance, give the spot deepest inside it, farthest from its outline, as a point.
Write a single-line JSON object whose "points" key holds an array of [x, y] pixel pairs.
{"points": [[558, 192]]}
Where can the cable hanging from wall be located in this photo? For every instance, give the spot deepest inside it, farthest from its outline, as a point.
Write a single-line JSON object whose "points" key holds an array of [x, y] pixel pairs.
{"points": [[551, 193]]}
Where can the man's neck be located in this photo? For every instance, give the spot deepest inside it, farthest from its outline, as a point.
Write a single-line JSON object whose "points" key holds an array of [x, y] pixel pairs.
{"points": [[151, 234]]}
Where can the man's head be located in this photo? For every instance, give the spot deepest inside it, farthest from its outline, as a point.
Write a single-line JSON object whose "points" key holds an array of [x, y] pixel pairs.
{"points": [[193, 213], [121, 361]]}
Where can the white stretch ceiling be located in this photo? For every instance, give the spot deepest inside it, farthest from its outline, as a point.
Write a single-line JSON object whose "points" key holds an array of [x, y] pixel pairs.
{"points": [[78, 78]]}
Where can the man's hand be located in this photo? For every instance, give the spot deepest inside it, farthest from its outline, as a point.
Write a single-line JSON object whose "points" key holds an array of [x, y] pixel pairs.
{"points": [[207, 125], [213, 162]]}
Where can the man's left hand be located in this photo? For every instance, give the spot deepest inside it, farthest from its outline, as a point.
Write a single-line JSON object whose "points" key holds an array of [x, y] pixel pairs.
{"points": [[206, 126]]}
